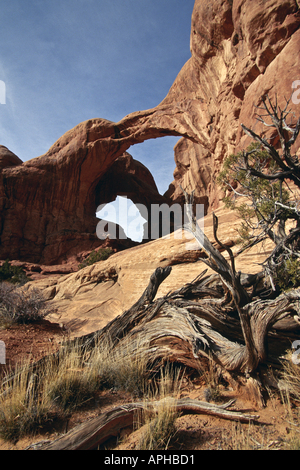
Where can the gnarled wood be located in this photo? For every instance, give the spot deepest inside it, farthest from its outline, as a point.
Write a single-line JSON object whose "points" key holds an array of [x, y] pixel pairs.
{"points": [[89, 435], [254, 327], [197, 321]]}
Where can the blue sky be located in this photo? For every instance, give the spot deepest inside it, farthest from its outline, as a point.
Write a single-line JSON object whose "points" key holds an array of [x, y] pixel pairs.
{"points": [[65, 61]]}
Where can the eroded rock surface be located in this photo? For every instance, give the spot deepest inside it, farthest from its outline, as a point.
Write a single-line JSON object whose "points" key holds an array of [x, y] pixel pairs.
{"points": [[48, 205], [87, 300], [241, 50]]}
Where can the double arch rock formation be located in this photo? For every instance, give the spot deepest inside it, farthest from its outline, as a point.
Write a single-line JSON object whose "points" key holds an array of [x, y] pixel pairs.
{"points": [[48, 204], [240, 50]]}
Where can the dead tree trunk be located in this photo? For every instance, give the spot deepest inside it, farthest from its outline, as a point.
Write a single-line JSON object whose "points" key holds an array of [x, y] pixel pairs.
{"points": [[256, 318], [91, 434], [199, 320]]}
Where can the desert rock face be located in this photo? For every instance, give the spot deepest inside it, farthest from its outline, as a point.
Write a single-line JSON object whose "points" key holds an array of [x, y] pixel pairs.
{"points": [[7, 158], [87, 300], [49, 203], [241, 50]]}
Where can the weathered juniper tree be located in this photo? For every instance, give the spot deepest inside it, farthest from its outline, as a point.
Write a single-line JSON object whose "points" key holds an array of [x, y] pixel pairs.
{"points": [[265, 182]]}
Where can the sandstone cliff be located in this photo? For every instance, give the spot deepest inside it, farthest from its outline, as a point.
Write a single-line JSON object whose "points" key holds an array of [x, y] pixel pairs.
{"points": [[48, 205], [240, 49]]}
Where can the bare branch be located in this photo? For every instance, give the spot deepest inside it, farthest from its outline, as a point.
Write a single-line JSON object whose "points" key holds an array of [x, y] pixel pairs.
{"points": [[294, 209], [295, 134], [276, 176], [270, 149], [225, 247]]}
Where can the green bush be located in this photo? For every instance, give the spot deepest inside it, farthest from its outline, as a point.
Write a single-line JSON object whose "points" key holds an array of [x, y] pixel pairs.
{"points": [[265, 205], [96, 256], [288, 274], [13, 274], [260, 195]]}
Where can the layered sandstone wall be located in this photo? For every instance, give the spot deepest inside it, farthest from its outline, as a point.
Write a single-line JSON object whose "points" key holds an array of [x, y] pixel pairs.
{"points": [[241, 50]]}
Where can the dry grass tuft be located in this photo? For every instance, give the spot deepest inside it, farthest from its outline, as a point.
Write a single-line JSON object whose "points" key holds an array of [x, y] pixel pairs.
{"points": [[23, 409], [65, 383], [69, 381], [290, 390], [159, 420]]}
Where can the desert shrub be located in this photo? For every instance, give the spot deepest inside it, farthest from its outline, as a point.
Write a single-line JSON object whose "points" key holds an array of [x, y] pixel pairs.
{"points": [[66, 382], [269, 205], [261, 195], [127, 370], [160, 429], [18, 305], [96, 256], [291, 378], [13, 274], [72, 378], [211, 378], [29, 401], [290, 390]]}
